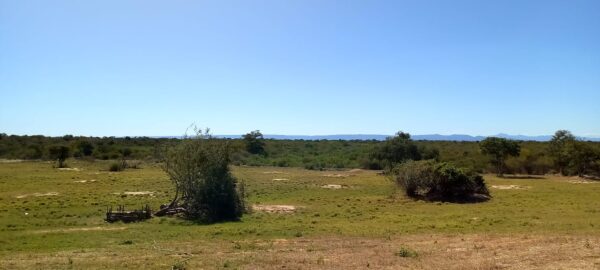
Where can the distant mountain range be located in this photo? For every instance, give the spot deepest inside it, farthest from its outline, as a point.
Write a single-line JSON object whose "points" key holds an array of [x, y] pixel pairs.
{"points": [[428, 137]]}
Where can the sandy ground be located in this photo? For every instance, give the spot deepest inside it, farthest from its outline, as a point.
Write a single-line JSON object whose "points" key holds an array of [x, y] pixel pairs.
{"points": [[273, 208], [334, 186], [37, 195], [509, 187], [452, 252]]}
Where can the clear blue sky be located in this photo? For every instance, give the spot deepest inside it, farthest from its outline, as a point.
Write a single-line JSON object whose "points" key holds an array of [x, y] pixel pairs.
{"points": [[299, 67]]}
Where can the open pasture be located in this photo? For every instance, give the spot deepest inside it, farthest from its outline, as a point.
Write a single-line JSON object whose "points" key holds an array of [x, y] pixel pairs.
{"points": [[53, 219]]}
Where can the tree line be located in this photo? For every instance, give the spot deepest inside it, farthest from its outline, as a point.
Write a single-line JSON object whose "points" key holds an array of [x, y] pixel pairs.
{"points": [[564, 154]]}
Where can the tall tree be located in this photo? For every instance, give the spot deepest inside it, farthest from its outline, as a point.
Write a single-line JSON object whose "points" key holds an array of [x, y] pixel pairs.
{"points": [[499, 149], [254, 142], [560, 149], [59, 153]]}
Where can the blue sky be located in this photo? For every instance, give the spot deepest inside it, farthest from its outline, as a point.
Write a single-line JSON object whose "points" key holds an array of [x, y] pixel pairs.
{"points": [[299, 67]]}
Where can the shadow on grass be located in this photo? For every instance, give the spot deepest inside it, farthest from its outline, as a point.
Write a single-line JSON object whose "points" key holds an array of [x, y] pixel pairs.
{"points": [[473, 198]]}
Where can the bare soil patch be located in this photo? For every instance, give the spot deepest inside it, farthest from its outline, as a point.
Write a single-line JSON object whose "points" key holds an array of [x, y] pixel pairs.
{"points": [[2, 160], [582, 181], [70, 169], [151, 193], [274, 208], [337, 175], [37, 195], [509, 187], [85, 181], [83, 229], [334, 186], [274, 172]]}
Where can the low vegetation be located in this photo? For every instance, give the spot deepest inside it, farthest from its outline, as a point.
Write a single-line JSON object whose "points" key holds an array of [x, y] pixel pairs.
{"points": [[432, 180]]}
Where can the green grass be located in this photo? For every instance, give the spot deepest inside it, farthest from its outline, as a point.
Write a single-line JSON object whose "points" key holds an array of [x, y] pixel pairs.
{"points": [[369, 207]]}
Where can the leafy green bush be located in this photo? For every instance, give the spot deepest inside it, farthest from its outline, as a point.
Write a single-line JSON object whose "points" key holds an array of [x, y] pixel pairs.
{"points": [[439, 181], [199, 169]]}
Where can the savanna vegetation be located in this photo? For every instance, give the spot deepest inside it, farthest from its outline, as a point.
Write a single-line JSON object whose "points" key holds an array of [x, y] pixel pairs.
{"points": [[564, 154], [52, 218], [54, 193]]}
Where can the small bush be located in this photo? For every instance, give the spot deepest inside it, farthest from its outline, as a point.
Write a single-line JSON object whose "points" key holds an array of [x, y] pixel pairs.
{"points": [[204, 185], [406, 253], [116, 167], [438, 181]]}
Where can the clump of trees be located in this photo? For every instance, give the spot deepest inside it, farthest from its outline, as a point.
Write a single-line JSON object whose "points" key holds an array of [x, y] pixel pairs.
{"points": [[60, 153], [254, 142], [572, 156], [499, 149], [398, 149], [204, 187], [433, 180]]}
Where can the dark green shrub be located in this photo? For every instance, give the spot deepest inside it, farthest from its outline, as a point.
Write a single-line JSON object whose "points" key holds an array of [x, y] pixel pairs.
{"points": [[116, 167], [204, 185], [59, 153], [439, 181]]}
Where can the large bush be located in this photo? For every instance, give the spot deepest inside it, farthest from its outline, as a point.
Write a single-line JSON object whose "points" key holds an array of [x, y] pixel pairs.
{"points": [[439, 181], [204, 185]]}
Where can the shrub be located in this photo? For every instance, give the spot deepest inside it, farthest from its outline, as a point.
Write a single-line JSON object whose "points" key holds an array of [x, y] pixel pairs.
{"points": [[438, 181], [199, 169], [59, 153], [406, 253], [116, 167]]}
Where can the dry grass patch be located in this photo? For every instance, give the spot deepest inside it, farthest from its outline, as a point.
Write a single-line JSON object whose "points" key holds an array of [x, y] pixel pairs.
{"points": [[404, 252]]}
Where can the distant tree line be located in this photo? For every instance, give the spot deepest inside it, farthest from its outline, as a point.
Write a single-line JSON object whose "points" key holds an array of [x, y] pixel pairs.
{"points": [[563, 154]]}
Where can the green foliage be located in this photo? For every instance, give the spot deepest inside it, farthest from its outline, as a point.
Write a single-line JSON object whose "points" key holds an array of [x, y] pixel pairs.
{"points": [[499, 149], [438, 181], [395, 150], [559, 149], [84, 148], [116, 167], [535, 157], [254, 142], [59, 153], [583, 158], [571, 156], [199, 170]]}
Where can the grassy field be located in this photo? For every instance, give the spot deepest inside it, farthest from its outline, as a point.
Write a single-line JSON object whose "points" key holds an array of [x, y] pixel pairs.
{"points": [[53, 219]]}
